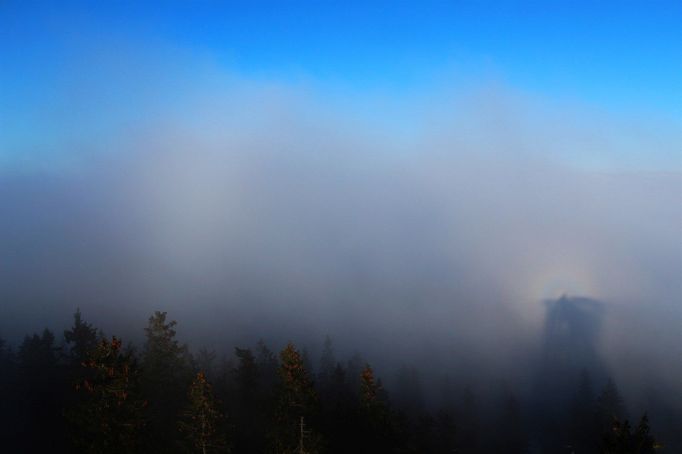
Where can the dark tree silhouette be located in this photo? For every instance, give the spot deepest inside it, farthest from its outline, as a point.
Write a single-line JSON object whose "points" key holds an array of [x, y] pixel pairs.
{"points": [[202, 424], [272, 405], [297, 406], [620, 439], [41, 379], [609, 405], [80, 339], [326, 369], [248, 403], [110, 417], [166, 374]]}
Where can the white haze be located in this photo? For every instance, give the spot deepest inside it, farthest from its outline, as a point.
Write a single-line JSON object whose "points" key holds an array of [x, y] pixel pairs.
{"points": [[267, 211]]}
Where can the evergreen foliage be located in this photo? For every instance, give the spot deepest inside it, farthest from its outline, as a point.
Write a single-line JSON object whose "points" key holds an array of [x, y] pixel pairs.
{"points": [[297, 402], [202, 424], [81, 339], [166, 372], [264, 404], [110, 418], [620, 439]]}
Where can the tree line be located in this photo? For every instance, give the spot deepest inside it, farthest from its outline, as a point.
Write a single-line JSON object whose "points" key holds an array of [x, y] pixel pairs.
{"points": [[92, 393]]}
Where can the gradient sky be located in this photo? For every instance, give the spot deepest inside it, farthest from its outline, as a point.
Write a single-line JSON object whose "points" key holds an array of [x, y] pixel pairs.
{"points": [[623, 57]]}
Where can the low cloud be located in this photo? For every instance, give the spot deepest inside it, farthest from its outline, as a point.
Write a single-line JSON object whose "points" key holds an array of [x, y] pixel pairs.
{"points": [[255, 210]]}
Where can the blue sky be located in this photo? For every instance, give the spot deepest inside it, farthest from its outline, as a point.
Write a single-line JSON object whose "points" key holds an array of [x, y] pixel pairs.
{"points": [[623, 57]]}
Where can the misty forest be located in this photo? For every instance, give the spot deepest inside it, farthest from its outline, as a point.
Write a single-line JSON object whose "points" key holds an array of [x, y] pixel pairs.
{"points": [[340, 227], [87, 391]]}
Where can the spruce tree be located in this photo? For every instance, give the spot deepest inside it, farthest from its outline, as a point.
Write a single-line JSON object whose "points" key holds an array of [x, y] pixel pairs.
{"points": [[166, 374], [327, 364], [268, 366], [202, 424], [620, 439], [110, 417], [248, 402], [609, 405], [81, 339], [41, 379], [296, 407], [374, 414]]}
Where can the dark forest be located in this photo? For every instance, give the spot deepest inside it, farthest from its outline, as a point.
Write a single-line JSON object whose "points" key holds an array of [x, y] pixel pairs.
{"points": [[86, 391]]}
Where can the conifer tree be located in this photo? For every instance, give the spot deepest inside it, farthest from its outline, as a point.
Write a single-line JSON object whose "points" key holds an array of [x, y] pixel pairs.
{"points": [[166, 374], [268, 367], [609, 405], [340, 413], [296, 406], [10, 401], [374, 413], [620, 439], [204, 361], [81, 339], [246, 374], [248, 402], [327, 364], [354, 367], [41, 378], [110, 417], [369, 391], [202, 424]]}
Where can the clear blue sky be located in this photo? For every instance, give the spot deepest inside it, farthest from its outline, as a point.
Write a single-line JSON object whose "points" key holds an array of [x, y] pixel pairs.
{"points": [[621, 55]]}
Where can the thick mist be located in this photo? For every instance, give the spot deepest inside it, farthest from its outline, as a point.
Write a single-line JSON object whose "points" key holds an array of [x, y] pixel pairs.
{"points": [[435, 233]]}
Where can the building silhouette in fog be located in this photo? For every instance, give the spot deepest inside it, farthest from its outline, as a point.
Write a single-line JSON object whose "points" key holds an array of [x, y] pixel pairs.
{"points": [[569, 353], [571, 338]]}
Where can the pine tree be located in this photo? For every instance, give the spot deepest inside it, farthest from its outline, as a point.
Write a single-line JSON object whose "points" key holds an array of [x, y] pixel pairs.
{"points": [[374, 413], [166, 374], [204, 361], [268, 366], [643, 441], [609, 405], [307, 362], [339, 413], [246, 374], [81, 339], [619, 439], [327, 364], [248, 402], [354, 368], [41, 379], [202, 423], [369, 391], [224, 385], [110, 418], [296, 406], [10, 400]]}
